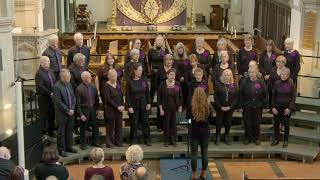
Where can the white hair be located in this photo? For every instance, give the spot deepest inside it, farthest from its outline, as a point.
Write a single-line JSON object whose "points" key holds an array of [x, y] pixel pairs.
{"points": [[84, 73], [134, 52], [224, 52], [286, 70], [289, 41], [200, 39], [5, 153], [51, 39], [43, 59], [222, 41], [134, 154], [77, 57], [77, 35]]}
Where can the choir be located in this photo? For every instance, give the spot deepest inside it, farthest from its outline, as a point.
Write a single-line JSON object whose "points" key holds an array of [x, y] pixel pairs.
{"points": [[265, 81]]}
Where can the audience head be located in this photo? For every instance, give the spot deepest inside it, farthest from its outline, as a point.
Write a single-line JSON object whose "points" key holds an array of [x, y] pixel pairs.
{"points": [[136, 71], [222, 44], [86, 77], [79, 59], [288, 43], [135, 54], [97, 177], [51, 178], [200, 42], [227, 77], [5, 153], [281, 61], [270, 45], [112, 75], [194, 60], [171, 74], [199, 105], [65, 75], [97, 155], [198, 74], [78, 39], [109, 59], [50, 155], [17, 173], [137, 44], [168, 60], [44, 62], [159, 42], [53, 41], [180, 51], [285, 73], [248, 40], [134, 154], [224, 56]]}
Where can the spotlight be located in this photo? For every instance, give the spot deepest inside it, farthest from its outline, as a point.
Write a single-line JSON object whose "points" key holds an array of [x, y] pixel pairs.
{"points": [[9, 132], [7, 106]]}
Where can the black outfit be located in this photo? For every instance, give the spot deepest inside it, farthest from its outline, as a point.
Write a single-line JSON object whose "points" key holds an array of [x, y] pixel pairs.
{"points": [[113, 98], [142, 59], [87, 105], [253, 97], [64, 101], [44, 170], [199, 133], [266, 63], [224, 95], [76, 49], [45, 80], [293, 63], [137, 97], [55, 56], [217, 72], [283, 96], [183, 67], [204, 59], [192, 86], [243, 59], [6, 166], [170, 98]]}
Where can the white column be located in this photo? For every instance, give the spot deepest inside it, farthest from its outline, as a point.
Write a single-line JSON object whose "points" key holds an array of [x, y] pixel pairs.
{"points": [[67, 11], [248, 8], [62, 21], [296, 23]]}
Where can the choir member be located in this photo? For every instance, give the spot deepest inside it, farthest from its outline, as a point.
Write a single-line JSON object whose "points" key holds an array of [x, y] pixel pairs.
{"points": [[194, 63], [54, 54], [221, 66], [252, 64], [134, 54], [138, 102], [246, 54], [170, 101], [64, 104], [221, 46], [199, 132], [253, 97], [182, 63], [142, 54], [267, 60], [225, 98], [283, 100], [113, 107], [276, 71], [155, 60], [87, 105], [293, 59], [79, 47], [45, 80], [203, 55]]}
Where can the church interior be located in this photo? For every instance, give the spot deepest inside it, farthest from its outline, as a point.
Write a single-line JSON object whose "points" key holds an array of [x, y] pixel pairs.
{"points": [[112, 27]]}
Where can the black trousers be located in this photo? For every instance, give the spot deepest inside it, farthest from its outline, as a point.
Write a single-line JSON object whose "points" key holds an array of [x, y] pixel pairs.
{"points": [[285, 120], [203, 143], [185, 91], [154, 83], [169, 125], [90, 114], [139, 119], [65, 131], [113, 126], [46, 113], [224, 118], [252, 119]]}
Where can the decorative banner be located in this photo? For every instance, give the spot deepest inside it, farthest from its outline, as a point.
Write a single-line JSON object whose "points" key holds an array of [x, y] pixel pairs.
{"points": [[142, 12]]}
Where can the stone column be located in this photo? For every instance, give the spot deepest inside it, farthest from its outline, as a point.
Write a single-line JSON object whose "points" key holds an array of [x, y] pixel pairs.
{"points": [[248, 7], [7, 91], [296, 32]]}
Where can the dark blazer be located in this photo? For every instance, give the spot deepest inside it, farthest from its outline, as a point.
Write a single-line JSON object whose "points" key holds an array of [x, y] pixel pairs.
{"points": [[75, 72], [243, 59], [293, 63], [60, 97], [204, 59], [253, 94], [163, 95], [43, 170], [43, 86], [266, 63], [76, 49], [225, 95], [55, 57], [284, 94], [82, 96]]}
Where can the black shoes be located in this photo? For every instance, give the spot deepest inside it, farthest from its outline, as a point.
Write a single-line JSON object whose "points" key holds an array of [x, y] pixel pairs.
{"points": [[274, 143], [72, 150], [285, 144]]}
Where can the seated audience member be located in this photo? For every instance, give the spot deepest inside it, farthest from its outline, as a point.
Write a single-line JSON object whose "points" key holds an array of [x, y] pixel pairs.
{"points": [[134, 156], [97, 177], [98, 168], [17, 173], [6, 165], [50, 166]]}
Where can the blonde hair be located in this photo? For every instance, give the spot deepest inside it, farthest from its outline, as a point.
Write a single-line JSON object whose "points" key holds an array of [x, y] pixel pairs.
{"points": [[199, 105], [281, 58], [43, 59], [176, 54], [248, 36], [97, 155], [134, 154], [155, 42], [51, 39], [198, 70], [289, 41], [286, 70], [193, 57], [166, 58], [222, 77], [77, 35]]}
